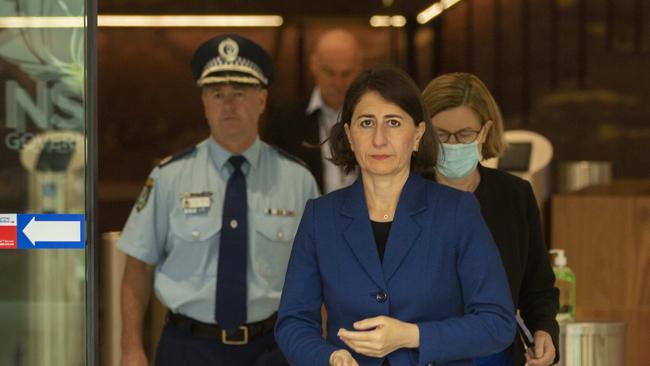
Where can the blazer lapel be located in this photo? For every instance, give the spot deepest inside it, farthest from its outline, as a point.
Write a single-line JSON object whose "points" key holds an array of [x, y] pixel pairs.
{"points": [[358, 234], [404, 230]]}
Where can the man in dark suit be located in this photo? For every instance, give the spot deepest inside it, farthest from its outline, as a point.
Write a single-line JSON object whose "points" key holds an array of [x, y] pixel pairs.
{"points": [[301, 127]]}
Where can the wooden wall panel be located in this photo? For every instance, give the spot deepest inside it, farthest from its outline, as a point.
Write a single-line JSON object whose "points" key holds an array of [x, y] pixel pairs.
{"points": [[606, 235], [454, 39], [483, 65]]}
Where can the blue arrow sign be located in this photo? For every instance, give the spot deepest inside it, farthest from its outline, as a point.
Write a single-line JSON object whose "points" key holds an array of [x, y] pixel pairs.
{"points": [[50, 231]]}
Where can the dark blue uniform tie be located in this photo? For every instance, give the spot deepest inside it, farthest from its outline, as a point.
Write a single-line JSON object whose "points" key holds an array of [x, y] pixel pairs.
{"points": [[230, 310]]}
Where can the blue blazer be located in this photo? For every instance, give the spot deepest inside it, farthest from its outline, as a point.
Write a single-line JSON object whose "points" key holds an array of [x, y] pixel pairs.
{"points": [[441, 271]]}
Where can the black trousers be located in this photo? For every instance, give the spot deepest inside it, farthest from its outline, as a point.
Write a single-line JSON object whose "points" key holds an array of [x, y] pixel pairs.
{"points": [[178, 347]]}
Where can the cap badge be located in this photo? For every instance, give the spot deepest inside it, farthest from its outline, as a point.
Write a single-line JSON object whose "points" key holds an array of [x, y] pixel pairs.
{"points": [[228, 50]]}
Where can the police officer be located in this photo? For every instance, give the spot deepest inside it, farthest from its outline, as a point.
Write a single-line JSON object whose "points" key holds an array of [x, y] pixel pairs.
{"points": [[214, 224]]}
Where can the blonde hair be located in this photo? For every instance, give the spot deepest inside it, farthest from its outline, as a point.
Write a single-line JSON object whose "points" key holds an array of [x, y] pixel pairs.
{"points": [[458, 89]]}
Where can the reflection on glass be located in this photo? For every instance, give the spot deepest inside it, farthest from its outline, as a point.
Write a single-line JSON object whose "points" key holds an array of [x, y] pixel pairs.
{"points": [[42, 165]]}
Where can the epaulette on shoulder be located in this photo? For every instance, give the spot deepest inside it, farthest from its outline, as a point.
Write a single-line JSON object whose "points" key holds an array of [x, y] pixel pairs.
{"points": [[176, 156], [290, 156]]}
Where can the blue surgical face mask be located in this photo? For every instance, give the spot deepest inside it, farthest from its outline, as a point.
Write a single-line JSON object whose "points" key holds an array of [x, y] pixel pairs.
{"points": [[457, 160]]}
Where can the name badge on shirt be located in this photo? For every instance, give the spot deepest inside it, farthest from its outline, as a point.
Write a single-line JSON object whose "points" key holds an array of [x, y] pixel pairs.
{"points": [[279, 212], [196, 202]]}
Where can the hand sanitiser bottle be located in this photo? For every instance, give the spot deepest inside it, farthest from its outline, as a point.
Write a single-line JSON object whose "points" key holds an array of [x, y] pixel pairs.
{"points": [[565, 281]]}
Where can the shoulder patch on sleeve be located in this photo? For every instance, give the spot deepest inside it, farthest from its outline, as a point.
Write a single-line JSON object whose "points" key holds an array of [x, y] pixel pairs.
{"points": [[176, 156], [143, 198], [290, 156]]}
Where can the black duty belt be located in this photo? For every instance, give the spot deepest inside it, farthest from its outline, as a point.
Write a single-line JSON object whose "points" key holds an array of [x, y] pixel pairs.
{"points": [[245, 334]]}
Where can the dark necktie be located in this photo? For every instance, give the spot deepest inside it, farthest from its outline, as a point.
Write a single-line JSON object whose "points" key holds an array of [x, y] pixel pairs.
{"points": [[230, 310]]}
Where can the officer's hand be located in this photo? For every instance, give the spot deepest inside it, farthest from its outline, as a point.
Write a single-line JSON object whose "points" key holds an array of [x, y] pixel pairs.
{"points": [[134, 358], [379, 336], [342, 358], [544, 352]]}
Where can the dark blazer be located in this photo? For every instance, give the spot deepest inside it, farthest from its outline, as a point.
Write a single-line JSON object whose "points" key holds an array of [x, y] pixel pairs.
{"points": [[510, 210], [291, 129], [441, 270]]}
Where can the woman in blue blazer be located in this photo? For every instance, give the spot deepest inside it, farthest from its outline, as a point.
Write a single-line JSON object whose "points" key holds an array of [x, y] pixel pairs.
{"points": [[406, 268]]}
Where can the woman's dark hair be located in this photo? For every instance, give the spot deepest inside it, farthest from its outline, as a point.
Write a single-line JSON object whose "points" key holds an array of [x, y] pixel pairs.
{"points": [[397, 87]]}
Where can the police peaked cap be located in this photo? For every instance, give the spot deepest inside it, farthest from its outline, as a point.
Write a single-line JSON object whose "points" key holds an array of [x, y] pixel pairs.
{"points": [[231, 58]]}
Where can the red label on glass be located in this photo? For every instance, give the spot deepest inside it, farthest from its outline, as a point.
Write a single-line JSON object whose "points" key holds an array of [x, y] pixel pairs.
{"points": [[8, 237]]}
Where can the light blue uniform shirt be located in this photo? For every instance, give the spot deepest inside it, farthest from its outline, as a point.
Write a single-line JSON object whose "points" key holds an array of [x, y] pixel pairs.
{"points": [[184, 246]]}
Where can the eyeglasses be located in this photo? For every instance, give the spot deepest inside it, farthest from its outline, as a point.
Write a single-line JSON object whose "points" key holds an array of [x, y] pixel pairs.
{"points": [[464, 136]]}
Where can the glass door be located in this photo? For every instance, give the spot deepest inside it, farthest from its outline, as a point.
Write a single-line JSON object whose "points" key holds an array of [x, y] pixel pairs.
{"points": [[46, 270]]}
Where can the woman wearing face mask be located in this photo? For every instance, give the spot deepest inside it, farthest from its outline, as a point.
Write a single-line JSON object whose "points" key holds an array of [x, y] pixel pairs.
{"points": [[470, 128], [406, 268]]}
